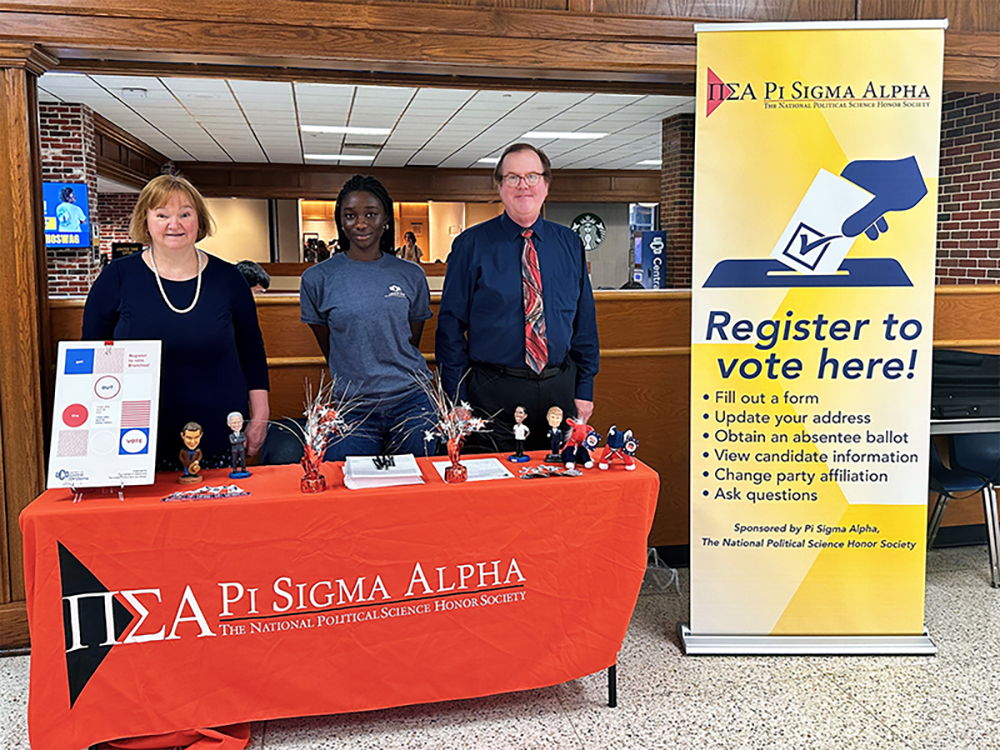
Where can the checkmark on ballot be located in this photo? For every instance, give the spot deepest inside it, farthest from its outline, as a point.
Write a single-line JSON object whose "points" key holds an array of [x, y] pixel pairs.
{"points": [[812, 241], [807, 246]]}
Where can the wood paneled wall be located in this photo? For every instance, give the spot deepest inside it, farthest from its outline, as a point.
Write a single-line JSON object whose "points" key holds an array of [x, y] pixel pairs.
{"points": [[226, 180], [962, 15], [730, 10], [122, 156]]}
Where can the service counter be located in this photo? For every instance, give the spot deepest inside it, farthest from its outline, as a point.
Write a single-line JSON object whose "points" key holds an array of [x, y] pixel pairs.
{"points": [[644, 379]]}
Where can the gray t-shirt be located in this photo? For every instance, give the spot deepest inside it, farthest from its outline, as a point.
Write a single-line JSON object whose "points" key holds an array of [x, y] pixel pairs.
{"points": [[368, 306]]}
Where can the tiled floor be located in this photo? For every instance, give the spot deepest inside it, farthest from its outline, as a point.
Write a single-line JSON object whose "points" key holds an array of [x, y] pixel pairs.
{"points": [[667, 700]]}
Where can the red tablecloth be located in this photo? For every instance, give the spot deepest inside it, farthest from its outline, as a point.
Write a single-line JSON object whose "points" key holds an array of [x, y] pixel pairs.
{"points": [[149, 616]]}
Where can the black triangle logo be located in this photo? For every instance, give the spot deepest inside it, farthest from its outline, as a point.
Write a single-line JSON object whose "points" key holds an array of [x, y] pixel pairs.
{"points": [[85, 624]]}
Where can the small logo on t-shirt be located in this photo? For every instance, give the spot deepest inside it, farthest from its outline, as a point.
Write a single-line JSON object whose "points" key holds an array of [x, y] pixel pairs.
{"points": [[395, 290]]}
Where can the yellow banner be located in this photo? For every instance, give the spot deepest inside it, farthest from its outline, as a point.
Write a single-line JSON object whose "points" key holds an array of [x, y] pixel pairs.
{"points": [[816, 162]]}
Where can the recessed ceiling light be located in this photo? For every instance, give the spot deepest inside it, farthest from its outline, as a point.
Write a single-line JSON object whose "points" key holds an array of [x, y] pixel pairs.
{"points": [[572, 136], [489, 160], [650, 163], [345, 130], [341, 157], [134, 93]]}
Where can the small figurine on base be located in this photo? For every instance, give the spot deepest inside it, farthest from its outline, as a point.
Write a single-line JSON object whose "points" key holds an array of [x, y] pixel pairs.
{"points": [[554, 416], [190, 454], [521, 433], [582, 439], [237, 446], [621, 446]]}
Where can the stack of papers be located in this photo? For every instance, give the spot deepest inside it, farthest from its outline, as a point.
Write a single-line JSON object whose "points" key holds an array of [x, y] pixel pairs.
{"points": [[479, 469], [361, 472]]}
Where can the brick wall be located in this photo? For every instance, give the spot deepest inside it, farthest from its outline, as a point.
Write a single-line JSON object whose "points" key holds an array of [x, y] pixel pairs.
{"points": [[116, 213], [69, 154], [676, 197], [969, 197]]}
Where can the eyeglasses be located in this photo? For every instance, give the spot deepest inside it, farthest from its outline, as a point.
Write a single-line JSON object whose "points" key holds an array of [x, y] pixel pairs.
{"points": [[513, 180]]}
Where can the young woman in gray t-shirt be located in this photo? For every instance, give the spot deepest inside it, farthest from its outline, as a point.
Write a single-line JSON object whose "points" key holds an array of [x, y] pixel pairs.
{"points": [[367, 309]]}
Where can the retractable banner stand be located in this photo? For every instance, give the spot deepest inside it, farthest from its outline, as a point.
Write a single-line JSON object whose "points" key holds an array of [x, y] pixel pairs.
{"points": [[816, 163]]}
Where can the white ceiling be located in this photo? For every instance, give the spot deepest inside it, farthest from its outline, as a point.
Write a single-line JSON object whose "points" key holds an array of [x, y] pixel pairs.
{"points": [[200, 119]]}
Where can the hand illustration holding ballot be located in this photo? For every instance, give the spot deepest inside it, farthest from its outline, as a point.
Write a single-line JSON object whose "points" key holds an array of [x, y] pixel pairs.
{"points": [[897, 186]]}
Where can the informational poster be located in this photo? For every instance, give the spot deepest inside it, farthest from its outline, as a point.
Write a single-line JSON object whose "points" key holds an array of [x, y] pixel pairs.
{"points": [[105, 415], [816, 167], [67, 214]]}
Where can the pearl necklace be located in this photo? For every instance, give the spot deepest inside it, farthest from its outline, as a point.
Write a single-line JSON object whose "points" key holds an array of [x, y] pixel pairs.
{"points": [[159, 283]]}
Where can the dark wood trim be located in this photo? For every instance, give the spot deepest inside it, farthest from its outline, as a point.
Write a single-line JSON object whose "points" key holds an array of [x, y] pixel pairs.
{"points": [[108, 129], [376, 77], [576, 54], [376, 18], [123, 157], [13, 625], [386, 41], [393, 42], [225, 180], [26, 55], [979, 74], [22, 315], [962, 15]]}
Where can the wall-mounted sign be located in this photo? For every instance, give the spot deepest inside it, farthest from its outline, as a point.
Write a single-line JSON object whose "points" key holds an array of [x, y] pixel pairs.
{"points": [[66, 211], [591, 230]]}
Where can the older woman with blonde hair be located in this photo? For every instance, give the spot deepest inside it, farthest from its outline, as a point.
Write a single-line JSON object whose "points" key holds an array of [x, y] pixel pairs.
{"points": [[199, 306]]}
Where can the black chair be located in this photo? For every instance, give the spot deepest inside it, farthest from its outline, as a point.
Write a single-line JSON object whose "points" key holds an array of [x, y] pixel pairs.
{"points": [[979, 454], [975, 467]]}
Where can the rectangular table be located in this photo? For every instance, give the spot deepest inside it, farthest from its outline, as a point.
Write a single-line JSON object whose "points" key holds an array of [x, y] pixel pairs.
{"points": [[149, 616]]}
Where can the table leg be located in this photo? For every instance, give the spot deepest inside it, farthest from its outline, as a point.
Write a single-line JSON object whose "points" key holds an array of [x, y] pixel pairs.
{"points": [[613, 686], [992, 532]]}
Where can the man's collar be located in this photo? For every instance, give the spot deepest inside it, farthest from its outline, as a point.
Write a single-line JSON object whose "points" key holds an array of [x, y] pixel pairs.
{"points": [[512, 228]]}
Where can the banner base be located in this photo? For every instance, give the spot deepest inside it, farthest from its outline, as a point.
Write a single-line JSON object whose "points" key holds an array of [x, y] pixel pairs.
{"points": [[805, 645]]}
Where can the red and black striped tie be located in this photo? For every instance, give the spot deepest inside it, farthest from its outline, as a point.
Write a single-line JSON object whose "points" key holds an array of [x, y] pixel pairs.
{"points": [[536, 347]]}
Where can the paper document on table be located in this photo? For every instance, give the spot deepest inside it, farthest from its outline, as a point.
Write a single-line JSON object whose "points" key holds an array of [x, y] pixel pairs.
{"points": [[479, 469], [363, 471]]}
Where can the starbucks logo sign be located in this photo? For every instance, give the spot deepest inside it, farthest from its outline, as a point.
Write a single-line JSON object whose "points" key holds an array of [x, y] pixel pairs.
{"points": [[590, 229]]}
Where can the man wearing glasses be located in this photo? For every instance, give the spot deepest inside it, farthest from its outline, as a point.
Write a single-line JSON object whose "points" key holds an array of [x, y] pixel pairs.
{"points": [[517, 311]]}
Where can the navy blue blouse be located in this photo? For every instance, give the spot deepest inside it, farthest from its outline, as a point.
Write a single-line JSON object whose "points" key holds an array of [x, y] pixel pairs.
{"points": [[212, 356]]}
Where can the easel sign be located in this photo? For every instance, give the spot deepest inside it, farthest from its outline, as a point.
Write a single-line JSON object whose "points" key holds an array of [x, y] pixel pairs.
{"points": [[105, 414]]}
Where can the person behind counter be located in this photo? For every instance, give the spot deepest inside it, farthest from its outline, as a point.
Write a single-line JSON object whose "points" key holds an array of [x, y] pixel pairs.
{"points": [[367, 309], [199, 306], [409, 250], [256, 277]]}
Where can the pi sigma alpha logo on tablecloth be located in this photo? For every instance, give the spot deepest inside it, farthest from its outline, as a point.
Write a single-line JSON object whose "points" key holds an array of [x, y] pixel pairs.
{"points": [[98, 617]]}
